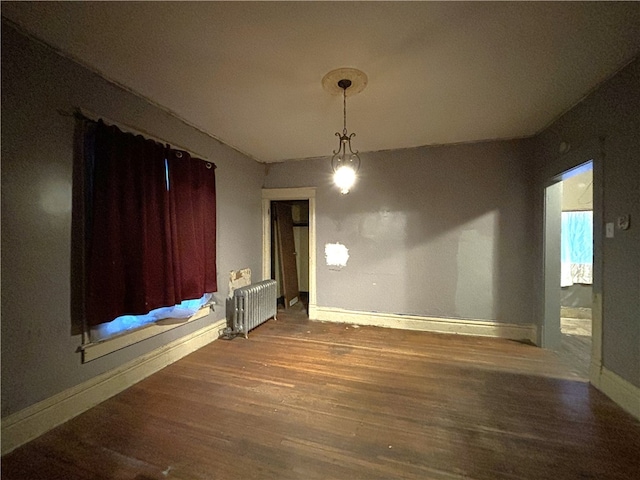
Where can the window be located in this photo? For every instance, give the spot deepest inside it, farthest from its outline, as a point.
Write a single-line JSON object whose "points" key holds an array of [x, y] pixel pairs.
{"points": [[149, 225], [126, 323]]}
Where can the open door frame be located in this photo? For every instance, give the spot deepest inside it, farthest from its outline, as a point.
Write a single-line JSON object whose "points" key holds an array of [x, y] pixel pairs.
{"points": [[286, 252], [551, 332], [594, 152], [277, 194]]}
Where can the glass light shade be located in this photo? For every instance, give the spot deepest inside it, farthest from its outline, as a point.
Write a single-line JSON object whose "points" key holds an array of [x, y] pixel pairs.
{"points": [[344, 177]]}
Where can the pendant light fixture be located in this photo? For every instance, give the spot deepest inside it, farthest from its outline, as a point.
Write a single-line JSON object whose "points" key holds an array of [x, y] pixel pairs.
{"points": [[345, 162]]}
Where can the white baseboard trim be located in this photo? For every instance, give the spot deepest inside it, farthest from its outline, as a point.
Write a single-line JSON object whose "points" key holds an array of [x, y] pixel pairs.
{"points": [[595, 370], [312, 311], [35, 420], [618, 389], [426, 324]]}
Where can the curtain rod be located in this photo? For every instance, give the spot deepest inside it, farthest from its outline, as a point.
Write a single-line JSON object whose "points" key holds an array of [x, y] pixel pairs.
{"points": [[89, 115]]}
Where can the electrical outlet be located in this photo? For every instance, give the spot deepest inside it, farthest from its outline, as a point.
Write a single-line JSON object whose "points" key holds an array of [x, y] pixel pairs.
{"points": [[623, 222]]}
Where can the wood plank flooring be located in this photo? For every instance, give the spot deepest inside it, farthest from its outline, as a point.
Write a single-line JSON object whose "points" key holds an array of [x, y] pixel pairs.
{"points": [[575, 348], [309, 400]]}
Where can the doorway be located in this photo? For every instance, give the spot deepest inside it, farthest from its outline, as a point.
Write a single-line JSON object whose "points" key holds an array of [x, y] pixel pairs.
{"points": [[290, 251], [303, 213], [569, 261]]}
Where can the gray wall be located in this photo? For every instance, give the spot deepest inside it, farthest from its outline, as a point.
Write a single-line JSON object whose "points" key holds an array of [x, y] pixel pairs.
{"points": [[439, 231], [39, 357], [612, 112]]}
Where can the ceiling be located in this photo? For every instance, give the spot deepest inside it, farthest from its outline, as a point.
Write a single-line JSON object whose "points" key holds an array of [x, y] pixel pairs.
{"points": [[249, 73]]}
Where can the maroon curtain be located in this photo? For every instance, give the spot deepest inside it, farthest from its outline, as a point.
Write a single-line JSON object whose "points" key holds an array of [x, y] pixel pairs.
{"points": [[193, 218], [150, 236]]}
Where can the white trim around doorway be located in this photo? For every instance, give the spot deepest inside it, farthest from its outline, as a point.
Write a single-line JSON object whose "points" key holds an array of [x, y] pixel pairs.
{"points": [[304, 193]]}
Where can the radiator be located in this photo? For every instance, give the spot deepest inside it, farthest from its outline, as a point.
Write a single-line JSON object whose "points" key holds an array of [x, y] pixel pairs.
{"points": [[254, 305]]}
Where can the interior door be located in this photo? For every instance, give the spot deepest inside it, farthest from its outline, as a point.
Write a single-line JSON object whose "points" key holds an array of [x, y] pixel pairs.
{"points": [[287, 253]]}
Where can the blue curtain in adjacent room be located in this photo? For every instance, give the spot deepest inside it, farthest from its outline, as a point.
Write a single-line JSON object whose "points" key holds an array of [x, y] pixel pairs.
{"points": [[577, 248]]}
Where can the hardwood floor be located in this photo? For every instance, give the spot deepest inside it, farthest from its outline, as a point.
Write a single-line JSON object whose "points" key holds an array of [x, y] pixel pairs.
{"points": [[575, 348], [309, 400]]}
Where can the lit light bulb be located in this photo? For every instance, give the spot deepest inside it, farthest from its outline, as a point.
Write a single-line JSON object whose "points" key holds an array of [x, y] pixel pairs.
{"points": [[344, 178]]}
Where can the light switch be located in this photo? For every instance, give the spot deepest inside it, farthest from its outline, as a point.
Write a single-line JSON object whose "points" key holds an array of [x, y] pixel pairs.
{"points": [[609, 230]]}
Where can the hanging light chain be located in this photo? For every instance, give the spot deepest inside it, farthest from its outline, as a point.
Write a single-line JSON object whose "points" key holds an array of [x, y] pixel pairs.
{"points": [[344, 110], [344, 84]]}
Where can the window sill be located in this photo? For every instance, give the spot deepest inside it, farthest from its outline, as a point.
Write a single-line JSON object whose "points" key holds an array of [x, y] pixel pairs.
{"points": [[91, 351]]}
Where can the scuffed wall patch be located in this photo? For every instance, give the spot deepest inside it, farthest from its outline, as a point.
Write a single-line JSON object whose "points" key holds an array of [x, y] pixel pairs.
{"points": [[239, 278], [336, 255]]}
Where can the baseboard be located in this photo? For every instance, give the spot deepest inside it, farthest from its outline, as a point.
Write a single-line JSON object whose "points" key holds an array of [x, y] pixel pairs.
{"points": [[426, 324], [621, 391], [595, 370], [35, 420]]}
